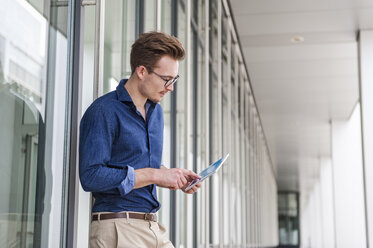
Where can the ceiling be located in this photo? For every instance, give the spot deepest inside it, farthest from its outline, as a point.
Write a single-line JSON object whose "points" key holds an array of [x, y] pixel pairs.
{"points": [[300, 87]]}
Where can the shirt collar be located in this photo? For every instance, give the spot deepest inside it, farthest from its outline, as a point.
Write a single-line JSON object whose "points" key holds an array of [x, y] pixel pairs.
{"points": [[122, 92], [124, 96]]}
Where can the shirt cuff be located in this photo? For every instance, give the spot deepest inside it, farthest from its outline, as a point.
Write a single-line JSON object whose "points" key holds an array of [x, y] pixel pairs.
{"points": [[128, 183]]}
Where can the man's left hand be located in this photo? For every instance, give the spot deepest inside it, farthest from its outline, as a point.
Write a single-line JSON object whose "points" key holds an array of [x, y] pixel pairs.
{"points": [[193, 190]]}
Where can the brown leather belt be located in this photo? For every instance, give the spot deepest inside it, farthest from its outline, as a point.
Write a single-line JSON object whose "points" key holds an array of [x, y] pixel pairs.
{"points": [[107, 216]]}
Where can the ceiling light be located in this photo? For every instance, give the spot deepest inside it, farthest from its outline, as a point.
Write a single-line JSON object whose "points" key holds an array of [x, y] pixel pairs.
{"points": [[297, 39]]}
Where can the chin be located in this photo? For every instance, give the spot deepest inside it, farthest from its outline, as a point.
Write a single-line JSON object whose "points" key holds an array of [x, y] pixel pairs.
{"points": [[156, 100]]}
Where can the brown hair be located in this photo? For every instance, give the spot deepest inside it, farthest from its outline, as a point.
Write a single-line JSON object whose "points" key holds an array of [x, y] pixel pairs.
{"points": [[150, 47]]}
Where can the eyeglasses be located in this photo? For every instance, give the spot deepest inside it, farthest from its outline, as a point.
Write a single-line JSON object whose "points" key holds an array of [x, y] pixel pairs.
{"points": [[169, 82]]}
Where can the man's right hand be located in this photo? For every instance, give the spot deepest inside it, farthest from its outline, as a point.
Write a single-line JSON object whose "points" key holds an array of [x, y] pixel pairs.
{"points": [[174, 178]]}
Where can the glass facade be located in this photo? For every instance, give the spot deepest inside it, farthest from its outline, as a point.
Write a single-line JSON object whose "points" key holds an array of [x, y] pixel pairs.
{"points": [[34, 93], [45, 88]]}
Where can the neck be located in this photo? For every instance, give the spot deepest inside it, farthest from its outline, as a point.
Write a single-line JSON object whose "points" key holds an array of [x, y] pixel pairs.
{"points": [[132, 87]]}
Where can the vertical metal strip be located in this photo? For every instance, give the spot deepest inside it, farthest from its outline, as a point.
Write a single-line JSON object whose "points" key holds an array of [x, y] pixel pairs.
{"points": [[140, 15], [173, 141], [188, 118], [210, 128], [195, 126], [366, 213], [219, 123], [207, 123], [99, 49], [158, 15], [73, 122], [229, 126]]}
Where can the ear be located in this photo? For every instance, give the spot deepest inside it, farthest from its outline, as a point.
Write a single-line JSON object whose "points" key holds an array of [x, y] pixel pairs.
{"points": [[141, 71]]}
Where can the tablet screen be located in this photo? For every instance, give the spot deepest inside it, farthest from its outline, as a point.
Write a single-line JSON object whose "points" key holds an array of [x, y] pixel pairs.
{"points": [[211, 169], [207, 172]]}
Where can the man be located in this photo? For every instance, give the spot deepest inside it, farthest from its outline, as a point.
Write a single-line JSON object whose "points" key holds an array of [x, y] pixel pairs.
{"points": [[121, 139]]}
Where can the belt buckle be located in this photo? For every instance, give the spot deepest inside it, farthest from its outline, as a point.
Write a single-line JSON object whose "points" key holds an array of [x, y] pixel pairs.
{"points": [[150, 217]]}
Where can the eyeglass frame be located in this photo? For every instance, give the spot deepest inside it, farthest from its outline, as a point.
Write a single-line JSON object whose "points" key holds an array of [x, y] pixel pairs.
{"points": [[169, 82]]}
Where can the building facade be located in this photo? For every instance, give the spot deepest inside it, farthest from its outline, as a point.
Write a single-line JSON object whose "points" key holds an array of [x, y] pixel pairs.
{"points": [[56, 57]]}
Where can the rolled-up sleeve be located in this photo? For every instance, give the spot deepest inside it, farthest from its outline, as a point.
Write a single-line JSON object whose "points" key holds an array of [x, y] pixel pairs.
{"points": [[98, 129], [128, 183]]}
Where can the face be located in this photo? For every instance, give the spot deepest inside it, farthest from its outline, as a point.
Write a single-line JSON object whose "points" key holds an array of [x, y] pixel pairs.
{"points": [[152, 86]]}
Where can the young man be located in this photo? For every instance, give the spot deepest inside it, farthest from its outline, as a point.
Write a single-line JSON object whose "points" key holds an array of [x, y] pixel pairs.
{"points": [[121, 139]]}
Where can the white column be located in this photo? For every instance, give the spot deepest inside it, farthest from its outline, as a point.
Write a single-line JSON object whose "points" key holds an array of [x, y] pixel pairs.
{"points": [[327, 203], [366, 101], [348, 183]]}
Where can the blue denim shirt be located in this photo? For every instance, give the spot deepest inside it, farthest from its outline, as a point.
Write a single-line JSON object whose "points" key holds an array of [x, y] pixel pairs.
{"points": [[114, 141]]}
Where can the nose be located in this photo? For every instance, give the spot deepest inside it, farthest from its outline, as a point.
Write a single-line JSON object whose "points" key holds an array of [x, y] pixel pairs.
{"points": [[170, 87]]}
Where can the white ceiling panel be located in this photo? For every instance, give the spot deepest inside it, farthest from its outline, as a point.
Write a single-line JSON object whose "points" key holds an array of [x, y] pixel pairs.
{"points": [[301, 52], [297, 22], [302, 69], [259, 7]]}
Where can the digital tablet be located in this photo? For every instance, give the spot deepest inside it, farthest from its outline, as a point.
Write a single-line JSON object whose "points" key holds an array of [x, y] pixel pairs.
{"points": [[208, 172]]}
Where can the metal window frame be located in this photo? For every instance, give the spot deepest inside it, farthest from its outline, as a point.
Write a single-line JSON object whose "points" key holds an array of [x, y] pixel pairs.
{"points": [[194, 35], [74, 103], [173, 136], [140, 17]]}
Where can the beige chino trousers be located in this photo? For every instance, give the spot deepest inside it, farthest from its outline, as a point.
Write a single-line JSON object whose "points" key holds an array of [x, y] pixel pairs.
{"points": [[128, 233]]}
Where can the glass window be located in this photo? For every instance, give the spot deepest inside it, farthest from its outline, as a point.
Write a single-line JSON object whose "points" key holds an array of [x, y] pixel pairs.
{"points": [[33, 79], [150, 15], [166, 16], [288, 218], [213, 28], [119, 35]]}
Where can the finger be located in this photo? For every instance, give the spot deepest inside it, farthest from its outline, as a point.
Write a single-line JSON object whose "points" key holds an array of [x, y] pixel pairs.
{"points": [[176, 183], [180, 183], [175, 186], [192, 174], [184, 180], [198, 185], [193, 190]]}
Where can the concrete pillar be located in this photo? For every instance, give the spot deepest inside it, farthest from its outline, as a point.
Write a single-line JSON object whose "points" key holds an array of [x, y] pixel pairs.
{"points": [[366, 101], [327, 203], [349, 206]]}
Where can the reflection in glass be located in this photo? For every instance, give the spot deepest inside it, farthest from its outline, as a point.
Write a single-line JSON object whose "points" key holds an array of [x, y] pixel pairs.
{"points": [[27, 176]]}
